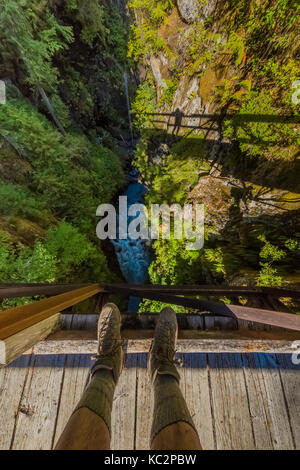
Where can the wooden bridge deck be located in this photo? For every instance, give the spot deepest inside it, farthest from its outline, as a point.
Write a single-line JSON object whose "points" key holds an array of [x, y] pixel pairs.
{"points": [[238, 401]]}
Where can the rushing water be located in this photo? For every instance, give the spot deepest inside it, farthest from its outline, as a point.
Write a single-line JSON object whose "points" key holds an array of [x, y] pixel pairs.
{"points": [[133, 255]]}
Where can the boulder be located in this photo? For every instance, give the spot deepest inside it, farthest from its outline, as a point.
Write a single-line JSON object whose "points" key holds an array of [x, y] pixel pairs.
{"points": [[215, 194], [188, 9]]}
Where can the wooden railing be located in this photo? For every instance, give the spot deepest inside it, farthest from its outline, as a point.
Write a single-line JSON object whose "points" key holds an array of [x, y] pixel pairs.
{"points": [[22, 327]]}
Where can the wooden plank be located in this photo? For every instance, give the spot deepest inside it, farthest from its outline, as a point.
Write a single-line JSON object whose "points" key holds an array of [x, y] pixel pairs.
{"points": [[76, 375], [123, 412], [270, 317], [258, 402], [147, 321], [270, 335], [9, 290], [275, 401], [15, 345], [12, 380], [233, 429], [145, 402], [195, 387], [89, 346], [66, 321], [38, 408], [290, 378], [17, 319], [284, 118], [208, 290], [28, 290]]}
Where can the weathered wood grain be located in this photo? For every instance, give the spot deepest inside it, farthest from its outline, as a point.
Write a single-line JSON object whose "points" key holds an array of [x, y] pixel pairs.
{"points": [[195, 388], [258, 402], [12, 380], [124, 406], [275, 401], [145, 402], [17, 319], [89, 346], [237, 401], [290, 377], [75, 378], [15, 345], [148, 322], [38, 408], [233, 428]]}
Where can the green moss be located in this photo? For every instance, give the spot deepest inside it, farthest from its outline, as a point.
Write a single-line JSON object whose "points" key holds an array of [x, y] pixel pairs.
{"points": [[32, 36], [71, 175], [145, 36]]}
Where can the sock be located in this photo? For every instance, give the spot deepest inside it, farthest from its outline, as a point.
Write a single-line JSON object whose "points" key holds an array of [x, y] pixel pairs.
{"points": [[169, 405], [98, 396]]}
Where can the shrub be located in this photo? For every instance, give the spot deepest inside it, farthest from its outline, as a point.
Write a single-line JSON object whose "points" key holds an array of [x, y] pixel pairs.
{"points": [[72, 176], [32, 36], [260, 138], [269, 254], [17, 200]]}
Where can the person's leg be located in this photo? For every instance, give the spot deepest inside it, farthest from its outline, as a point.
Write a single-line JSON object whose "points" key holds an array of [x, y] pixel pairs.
{"points": [[172, 427], [90, 424]]}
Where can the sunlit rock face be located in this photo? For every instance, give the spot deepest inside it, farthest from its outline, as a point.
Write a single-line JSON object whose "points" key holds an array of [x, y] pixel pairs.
{"points": [[188, 9], [208, 8], [191, 10]]}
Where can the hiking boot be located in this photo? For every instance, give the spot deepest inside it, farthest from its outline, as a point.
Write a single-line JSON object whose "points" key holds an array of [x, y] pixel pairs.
{"points": [[162, 351], [110, 344]]}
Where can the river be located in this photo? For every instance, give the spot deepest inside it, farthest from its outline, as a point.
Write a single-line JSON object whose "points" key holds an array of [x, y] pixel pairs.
{"points": [[133, 255]]}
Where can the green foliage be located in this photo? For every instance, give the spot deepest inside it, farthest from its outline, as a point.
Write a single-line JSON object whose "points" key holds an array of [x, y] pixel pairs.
{"points": [[293, 245], [267, 20], [233, 91], [91, 16], [148, 306], [65, 255], [215, 258], [174, 264], [26, 265], [71, 175], [156, 10], [177, 173], [32, 37], [17, 200], [63, 177], [75, 253], [144, 104], [257, 137], [168, 93], [237, 47], [269, 254], [263, 57], [173, 180], [61, 111], [117, 36], [145, 37], [80, 96], [200, 46]]}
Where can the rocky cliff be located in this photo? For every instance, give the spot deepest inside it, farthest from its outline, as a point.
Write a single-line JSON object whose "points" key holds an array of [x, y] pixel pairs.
{"points": [[214, 76]]}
